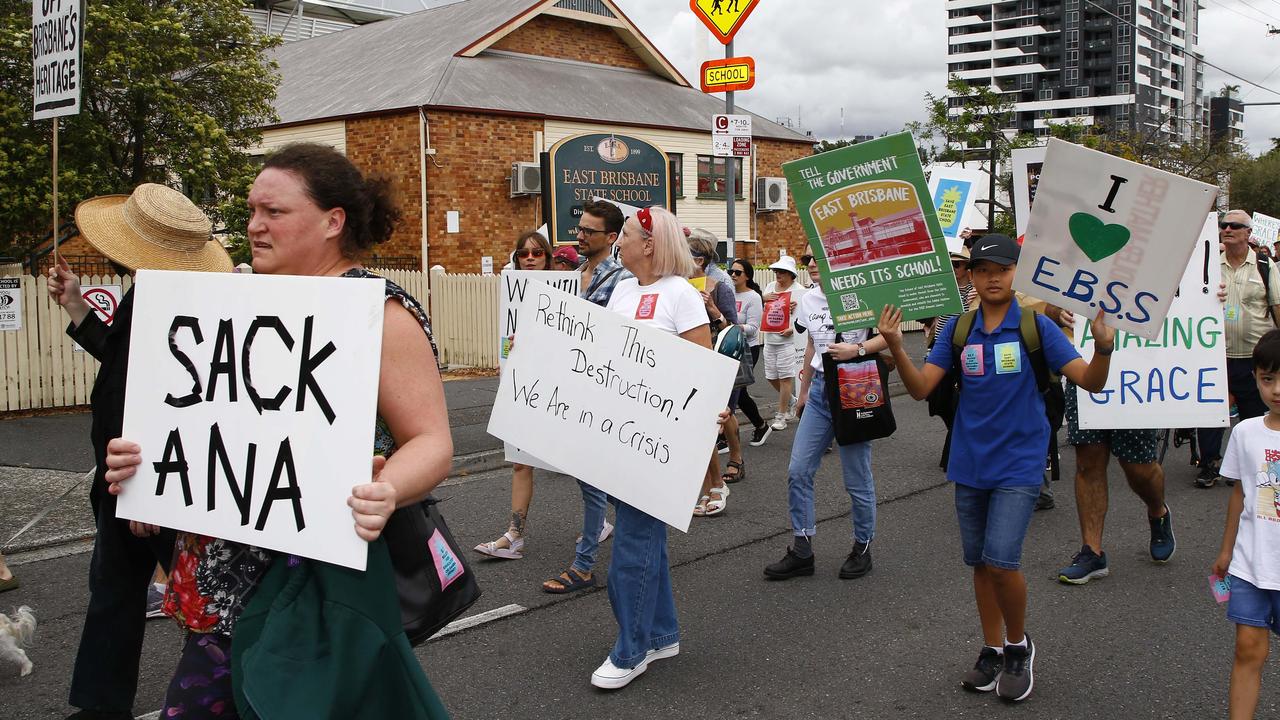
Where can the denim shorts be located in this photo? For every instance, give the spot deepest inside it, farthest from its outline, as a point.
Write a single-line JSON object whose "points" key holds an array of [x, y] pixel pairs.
{"points": [[1252, 605], [993, 523]]}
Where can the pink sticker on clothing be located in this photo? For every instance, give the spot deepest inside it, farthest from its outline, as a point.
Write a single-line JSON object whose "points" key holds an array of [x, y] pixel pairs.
{"points": [[648, 305], [447, 565], [971, 360]]}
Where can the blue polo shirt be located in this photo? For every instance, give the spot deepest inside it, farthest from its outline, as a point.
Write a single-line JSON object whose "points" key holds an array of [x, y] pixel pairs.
{"points": [[1000, 436]]}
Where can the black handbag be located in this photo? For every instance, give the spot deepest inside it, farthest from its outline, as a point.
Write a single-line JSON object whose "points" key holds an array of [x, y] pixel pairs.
{"points": [[435, 586], [857, 394]]}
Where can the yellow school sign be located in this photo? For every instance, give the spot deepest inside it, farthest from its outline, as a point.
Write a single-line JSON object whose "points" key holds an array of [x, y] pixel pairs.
{"points": [[723, 17]]}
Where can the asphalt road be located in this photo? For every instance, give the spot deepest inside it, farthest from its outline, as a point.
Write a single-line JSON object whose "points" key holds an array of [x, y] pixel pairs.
{"points": [[1147, 642]]}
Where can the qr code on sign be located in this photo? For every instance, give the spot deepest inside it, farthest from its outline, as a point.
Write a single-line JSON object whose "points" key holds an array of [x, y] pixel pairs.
{"points": [[850, 302]]}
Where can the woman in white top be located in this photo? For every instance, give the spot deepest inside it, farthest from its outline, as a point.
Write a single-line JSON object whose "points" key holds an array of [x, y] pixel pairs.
{"points": [[779, 355], [652, 247]]}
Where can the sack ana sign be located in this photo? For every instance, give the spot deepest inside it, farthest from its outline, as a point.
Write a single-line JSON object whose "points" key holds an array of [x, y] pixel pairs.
{"points": [[254, 399], [1112, 235]]}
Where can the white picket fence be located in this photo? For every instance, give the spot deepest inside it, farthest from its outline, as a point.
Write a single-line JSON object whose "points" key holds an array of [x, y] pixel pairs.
{"points": [[464, 318]]}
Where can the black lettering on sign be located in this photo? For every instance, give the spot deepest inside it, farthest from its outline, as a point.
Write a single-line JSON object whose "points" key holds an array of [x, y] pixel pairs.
{"points": [[1116, 182], [218, 453], [306, 371], [223, 362], [173, 461], [284, 464], [267, 321], [193, 397]]}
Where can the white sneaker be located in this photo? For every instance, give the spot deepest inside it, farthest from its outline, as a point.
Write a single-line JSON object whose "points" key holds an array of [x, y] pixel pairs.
{"points": [[790, 415], [611, 677], [779, 422], [605, 532], [663, 653]]}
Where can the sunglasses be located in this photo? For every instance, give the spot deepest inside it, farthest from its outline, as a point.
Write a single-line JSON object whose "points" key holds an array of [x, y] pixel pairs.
{"points": [[956, 264], [736, 272], [525, 252], [1232, 225]]}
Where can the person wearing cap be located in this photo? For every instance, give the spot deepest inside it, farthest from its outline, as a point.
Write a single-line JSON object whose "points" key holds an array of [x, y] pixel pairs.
{"points": [[154, 228], [1252, 307], [997, 452], [780, 364], [565, 258]]}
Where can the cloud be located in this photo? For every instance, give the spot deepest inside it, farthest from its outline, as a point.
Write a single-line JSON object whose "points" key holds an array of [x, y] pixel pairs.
{"points": [[877, 60]]}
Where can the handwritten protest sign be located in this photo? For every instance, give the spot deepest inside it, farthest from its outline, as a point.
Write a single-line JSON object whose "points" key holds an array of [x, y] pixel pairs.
{"points": [[1266, 229], [626, 408], [1179, 378], [254, 399], [870, 222], [955, 192], [515, 284], [1027, 165], [1112, 235]]}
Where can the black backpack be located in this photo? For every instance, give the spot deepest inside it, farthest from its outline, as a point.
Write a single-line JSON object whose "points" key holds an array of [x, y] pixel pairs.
{"points": [[1047, 382]]}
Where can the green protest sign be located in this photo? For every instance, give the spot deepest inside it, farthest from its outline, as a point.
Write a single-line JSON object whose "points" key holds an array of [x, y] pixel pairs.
{"points": [[870, 221]]}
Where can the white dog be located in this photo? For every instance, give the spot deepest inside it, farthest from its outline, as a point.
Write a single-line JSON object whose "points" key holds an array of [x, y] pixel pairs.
{"points": [[14, 634]]}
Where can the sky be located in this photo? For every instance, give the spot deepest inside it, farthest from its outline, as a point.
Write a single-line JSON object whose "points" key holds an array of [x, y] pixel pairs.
{"points": [[876, 60]]}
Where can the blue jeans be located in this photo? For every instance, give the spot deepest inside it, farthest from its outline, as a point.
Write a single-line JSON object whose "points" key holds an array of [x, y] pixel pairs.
{"points": [[640, 586], [593, 504], [993, 523], [813, 437]]}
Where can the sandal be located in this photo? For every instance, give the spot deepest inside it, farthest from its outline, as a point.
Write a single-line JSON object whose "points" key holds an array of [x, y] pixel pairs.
{"points": [[700, 509], [10, 584], [733, 477], [513, 551], [717, 505], [570, 580]]}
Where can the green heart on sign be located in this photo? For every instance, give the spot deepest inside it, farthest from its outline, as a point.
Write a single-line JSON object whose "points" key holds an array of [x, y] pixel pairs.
{"points": [[1097, 239]]}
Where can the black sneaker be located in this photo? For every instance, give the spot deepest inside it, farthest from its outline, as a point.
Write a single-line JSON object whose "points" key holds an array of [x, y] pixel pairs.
{"points": [[1016, 680], [1085, 566], [722, 445], [1162, 541], [760, 434], [1207, 477], [858, 563], [791, 565], [985, 672], [1045, 502]]}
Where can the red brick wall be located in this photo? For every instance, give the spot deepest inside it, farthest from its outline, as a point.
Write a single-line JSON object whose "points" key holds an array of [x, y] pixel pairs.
{"points": [[387, 145], [566, 39], [779, 229], [475, 152]]}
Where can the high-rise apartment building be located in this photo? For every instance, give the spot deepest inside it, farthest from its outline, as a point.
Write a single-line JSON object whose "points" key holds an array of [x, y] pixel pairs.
{"points": [[1123, 64]]}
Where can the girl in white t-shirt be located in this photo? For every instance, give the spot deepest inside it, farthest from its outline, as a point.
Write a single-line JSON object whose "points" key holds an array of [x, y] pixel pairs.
{"points": [[1250, 551], [814, 435], [653, 248]]}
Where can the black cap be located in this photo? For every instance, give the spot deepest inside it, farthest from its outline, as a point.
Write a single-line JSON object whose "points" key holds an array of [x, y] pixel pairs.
{"points": [[999, 249]]}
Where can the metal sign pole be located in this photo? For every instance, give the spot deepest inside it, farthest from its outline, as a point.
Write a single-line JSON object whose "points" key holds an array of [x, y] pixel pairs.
{"points": [[730, 165]]}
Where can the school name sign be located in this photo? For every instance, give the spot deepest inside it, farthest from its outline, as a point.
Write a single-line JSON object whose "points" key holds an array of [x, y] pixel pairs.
{"points": [[254, 399], [870, 221], [1110, 235], [1178, 379], [621, 406]]}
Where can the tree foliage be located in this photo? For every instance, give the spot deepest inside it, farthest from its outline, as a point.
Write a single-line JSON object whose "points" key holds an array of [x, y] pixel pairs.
{"points": [[172, 92], [1255, 185]]}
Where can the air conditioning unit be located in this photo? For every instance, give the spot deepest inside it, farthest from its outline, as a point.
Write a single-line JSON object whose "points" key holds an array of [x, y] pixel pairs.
{"points": [[526, 179], [771, 193]]}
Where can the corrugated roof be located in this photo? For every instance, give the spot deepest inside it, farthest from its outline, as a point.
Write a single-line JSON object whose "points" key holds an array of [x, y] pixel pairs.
{"points": [[411, 61]]}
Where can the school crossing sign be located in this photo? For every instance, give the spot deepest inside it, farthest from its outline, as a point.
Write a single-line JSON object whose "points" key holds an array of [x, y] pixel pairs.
{"points": [[723, 17]]}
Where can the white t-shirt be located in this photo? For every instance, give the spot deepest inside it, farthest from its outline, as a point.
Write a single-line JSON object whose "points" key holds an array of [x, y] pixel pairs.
{"points": [[670, 304], [1253, 458], [815, 315], [797, 292]]}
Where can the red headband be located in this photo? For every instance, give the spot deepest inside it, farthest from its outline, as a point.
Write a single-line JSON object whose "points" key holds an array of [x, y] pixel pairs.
{"points": [[645, 219]]}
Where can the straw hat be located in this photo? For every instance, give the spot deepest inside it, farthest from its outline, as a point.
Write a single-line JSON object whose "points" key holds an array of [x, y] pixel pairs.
{"points": [[155, 228]]}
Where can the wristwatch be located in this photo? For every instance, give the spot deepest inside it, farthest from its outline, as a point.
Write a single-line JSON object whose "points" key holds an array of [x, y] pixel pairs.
{"points": [[862, 350]]}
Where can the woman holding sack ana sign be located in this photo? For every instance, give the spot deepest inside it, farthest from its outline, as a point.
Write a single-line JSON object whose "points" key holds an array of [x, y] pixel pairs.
{"points": [[313, 213], [653, 248], [831, 393]]}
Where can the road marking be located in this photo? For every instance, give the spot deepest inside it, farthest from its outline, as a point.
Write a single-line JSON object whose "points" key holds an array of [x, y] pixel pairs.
{"points": [[479, 619], [453, 627]]}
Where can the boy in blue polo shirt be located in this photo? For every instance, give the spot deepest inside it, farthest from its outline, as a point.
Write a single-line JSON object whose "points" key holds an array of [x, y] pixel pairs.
{"points": [[997, 448]]}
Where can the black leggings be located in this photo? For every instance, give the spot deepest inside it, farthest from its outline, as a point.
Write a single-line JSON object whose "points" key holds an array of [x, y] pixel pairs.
{"points": [[746, 403]]}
